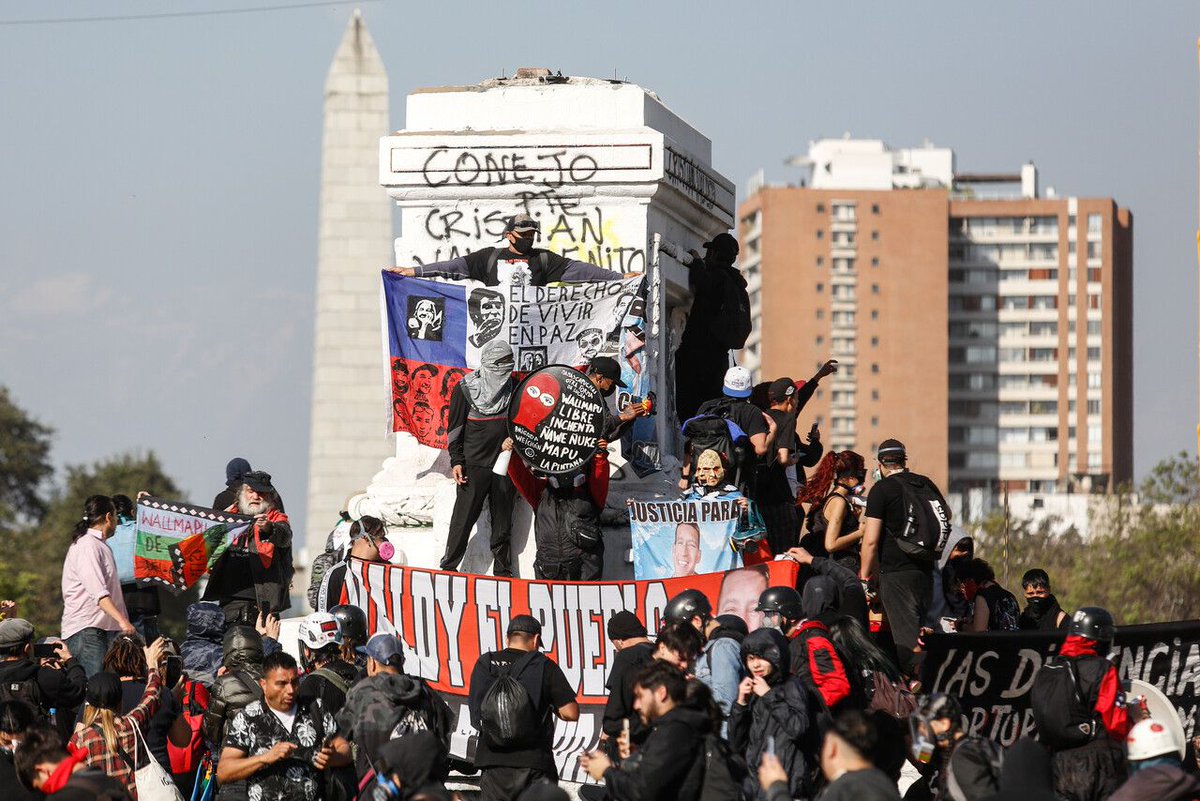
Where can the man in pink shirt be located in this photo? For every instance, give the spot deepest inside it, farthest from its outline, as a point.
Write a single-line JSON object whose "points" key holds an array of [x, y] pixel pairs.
{"points": [[93, 607]]}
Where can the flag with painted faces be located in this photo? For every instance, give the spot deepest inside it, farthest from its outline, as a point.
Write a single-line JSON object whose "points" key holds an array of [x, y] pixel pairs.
{"points": [[437, 329]]}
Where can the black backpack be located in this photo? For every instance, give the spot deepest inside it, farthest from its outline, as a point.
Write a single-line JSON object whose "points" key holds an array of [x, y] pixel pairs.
{"points": [[731, 324], [927, 517], [27, 692], [508, 717], [713, 430], [1063, 715], [724, 771]]}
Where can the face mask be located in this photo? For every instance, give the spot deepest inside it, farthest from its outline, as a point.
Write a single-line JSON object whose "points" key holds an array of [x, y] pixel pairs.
{"points": [[523, 245], [923, 745], [970, 589], [1040, 606]]}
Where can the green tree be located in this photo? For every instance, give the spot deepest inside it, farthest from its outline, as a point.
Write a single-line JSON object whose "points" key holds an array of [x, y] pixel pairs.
{"points": [[32, 573], [1141, 562], [25, 465]]}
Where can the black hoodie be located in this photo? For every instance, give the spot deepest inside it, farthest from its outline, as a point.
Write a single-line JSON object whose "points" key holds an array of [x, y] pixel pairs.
{"points": [[778, 719], [58, 688], [670, 764]]}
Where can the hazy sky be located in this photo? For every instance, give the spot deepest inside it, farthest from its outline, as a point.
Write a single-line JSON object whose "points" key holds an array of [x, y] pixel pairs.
{"points": [[159, 177]]}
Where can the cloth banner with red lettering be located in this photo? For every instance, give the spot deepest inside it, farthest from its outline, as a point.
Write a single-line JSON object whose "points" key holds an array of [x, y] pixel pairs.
{"points": [[447, 620], [436, 330], [177, 543]]}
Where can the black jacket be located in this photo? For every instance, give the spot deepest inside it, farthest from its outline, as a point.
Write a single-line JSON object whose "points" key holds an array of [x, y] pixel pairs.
{"points": [[474, 440], [782, 715], [708, 285], [238, 687], [619, 707], [60, 689], [201, 651], [670, 764]]}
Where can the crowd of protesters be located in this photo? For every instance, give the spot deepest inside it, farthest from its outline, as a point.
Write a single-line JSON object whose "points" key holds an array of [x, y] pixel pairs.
{"points": [[821, 700]]}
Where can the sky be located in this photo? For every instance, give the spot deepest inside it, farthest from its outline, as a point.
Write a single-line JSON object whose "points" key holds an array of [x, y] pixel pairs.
{"points": [[158, 217]]}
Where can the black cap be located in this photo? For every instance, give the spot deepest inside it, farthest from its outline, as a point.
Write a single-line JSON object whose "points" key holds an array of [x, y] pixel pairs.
{"points": [[624, 625], [521, 223], [607, 367], [259, 481], [781, 389], [524, 624], [724, 244], [891, 449]]}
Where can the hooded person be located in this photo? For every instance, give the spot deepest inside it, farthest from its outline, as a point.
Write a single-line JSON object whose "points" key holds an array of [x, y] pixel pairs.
{"points": [[408, 764], [771, 714], [478, 427], [202, 649], [243, 653], [1026, 774]]}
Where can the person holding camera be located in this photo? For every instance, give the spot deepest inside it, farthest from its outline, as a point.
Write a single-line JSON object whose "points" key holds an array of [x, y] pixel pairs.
{"points": [[45, 676]]}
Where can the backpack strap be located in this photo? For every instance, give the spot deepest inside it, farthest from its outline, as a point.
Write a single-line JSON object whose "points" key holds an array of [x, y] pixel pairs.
{"points": [[492, 259], [333, 678]]}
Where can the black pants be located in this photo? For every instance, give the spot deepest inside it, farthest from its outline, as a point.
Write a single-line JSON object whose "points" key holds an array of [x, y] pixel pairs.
{"points": [[905, 595], [783, 525], [482, 485], [699, 377], [505, 784]]}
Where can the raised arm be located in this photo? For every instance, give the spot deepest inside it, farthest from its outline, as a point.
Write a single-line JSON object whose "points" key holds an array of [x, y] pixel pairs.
{"points": [[455, 269]]}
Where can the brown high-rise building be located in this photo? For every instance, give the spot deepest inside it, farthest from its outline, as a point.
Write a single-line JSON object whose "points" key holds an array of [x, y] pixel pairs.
{"points": [[987, 328]]}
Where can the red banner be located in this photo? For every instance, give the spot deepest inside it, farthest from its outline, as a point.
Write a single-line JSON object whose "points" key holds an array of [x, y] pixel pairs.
{"points": [[447, 620]]}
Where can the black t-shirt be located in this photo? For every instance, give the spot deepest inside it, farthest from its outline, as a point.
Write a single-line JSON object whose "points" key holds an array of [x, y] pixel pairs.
{"points": [[1003, 611], [555, 692], [772, 486], [886, 502]]}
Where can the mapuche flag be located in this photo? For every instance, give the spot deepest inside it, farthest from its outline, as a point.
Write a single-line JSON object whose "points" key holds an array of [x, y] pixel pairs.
{"points": [[177, 543], [436, 330]]}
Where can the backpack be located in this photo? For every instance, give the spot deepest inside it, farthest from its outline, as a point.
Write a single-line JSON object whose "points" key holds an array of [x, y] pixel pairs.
{"points": [[713, 430], [724, 771], [333, 678], [319, 569], [1063, 716], [507, 716], [28, 692], [186, 759], [927, 517], [731, 324]]}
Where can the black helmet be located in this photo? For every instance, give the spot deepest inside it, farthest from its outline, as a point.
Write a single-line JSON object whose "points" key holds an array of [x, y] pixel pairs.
{"points": [[352, 622], [1093, 623], [780, 600], [687, 605]]}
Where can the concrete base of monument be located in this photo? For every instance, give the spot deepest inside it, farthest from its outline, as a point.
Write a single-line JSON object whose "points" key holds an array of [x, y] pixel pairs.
{"points": [[414, 496]]}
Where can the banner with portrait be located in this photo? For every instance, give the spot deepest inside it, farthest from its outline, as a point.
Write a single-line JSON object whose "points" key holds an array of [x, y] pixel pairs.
{"points": [[436, 330], [683, 537], [446, 621]]}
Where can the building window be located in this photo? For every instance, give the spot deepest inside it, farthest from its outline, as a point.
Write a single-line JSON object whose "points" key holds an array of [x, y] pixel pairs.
{"points": [[820, 314], [874, 289], [820, 234], [874, 261], [820, 339], [874, 342], [1093, 354], [875, 421], [820, 261], [874, 208], [820, 208], [874, 314], [874, 394], [1093, 381], [874, 368], [874, 236], [820, 287], [1093, 407], [1095, 224]]}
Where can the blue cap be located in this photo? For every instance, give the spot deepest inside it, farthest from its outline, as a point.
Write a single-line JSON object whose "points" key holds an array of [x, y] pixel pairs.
{"points": [[385, 648]]}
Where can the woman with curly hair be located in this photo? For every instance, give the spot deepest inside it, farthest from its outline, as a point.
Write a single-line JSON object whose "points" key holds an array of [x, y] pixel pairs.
{"points": [[833, 524]]}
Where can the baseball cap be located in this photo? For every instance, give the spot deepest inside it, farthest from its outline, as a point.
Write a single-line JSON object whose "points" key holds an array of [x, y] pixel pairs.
{"points": [[891, 447], [607, 367], [524, 624], [738, 383], [521, 223], [624, 625], [259, 481], [15, 631], [781, 389], [724, 244], [384, 648]]}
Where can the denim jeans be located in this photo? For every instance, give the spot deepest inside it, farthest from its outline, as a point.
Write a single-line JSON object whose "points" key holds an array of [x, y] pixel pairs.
{"points": [[89, 646]]}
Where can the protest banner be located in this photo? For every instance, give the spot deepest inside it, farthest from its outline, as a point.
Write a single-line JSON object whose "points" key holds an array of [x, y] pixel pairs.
{"points": [[683, 537], [556, 418], [177, 543], [123, 543], [447, 620], [436, 330], [992, 674]]}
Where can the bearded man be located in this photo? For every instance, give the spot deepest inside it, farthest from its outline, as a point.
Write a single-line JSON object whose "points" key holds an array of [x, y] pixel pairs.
{"points": [[255, 573]]}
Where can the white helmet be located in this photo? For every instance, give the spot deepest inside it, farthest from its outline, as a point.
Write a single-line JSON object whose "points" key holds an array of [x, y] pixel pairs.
{"points": [[320, 629], [1149, 739]]}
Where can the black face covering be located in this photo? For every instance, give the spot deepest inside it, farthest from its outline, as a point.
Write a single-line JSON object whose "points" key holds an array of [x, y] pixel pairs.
{"points": [[523, 245], [1038, 607], [608, 392]]}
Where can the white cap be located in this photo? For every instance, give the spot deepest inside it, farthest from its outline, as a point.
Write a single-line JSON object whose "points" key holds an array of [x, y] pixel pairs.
{"points": [[738, 383], [1149, 739]]}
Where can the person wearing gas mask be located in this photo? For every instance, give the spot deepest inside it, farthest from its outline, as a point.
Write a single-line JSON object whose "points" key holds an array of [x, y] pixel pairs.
{"points": [[954, 765], [1079, 708], [368, 542], [478, 427], [519, 263], [834, 521]]}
